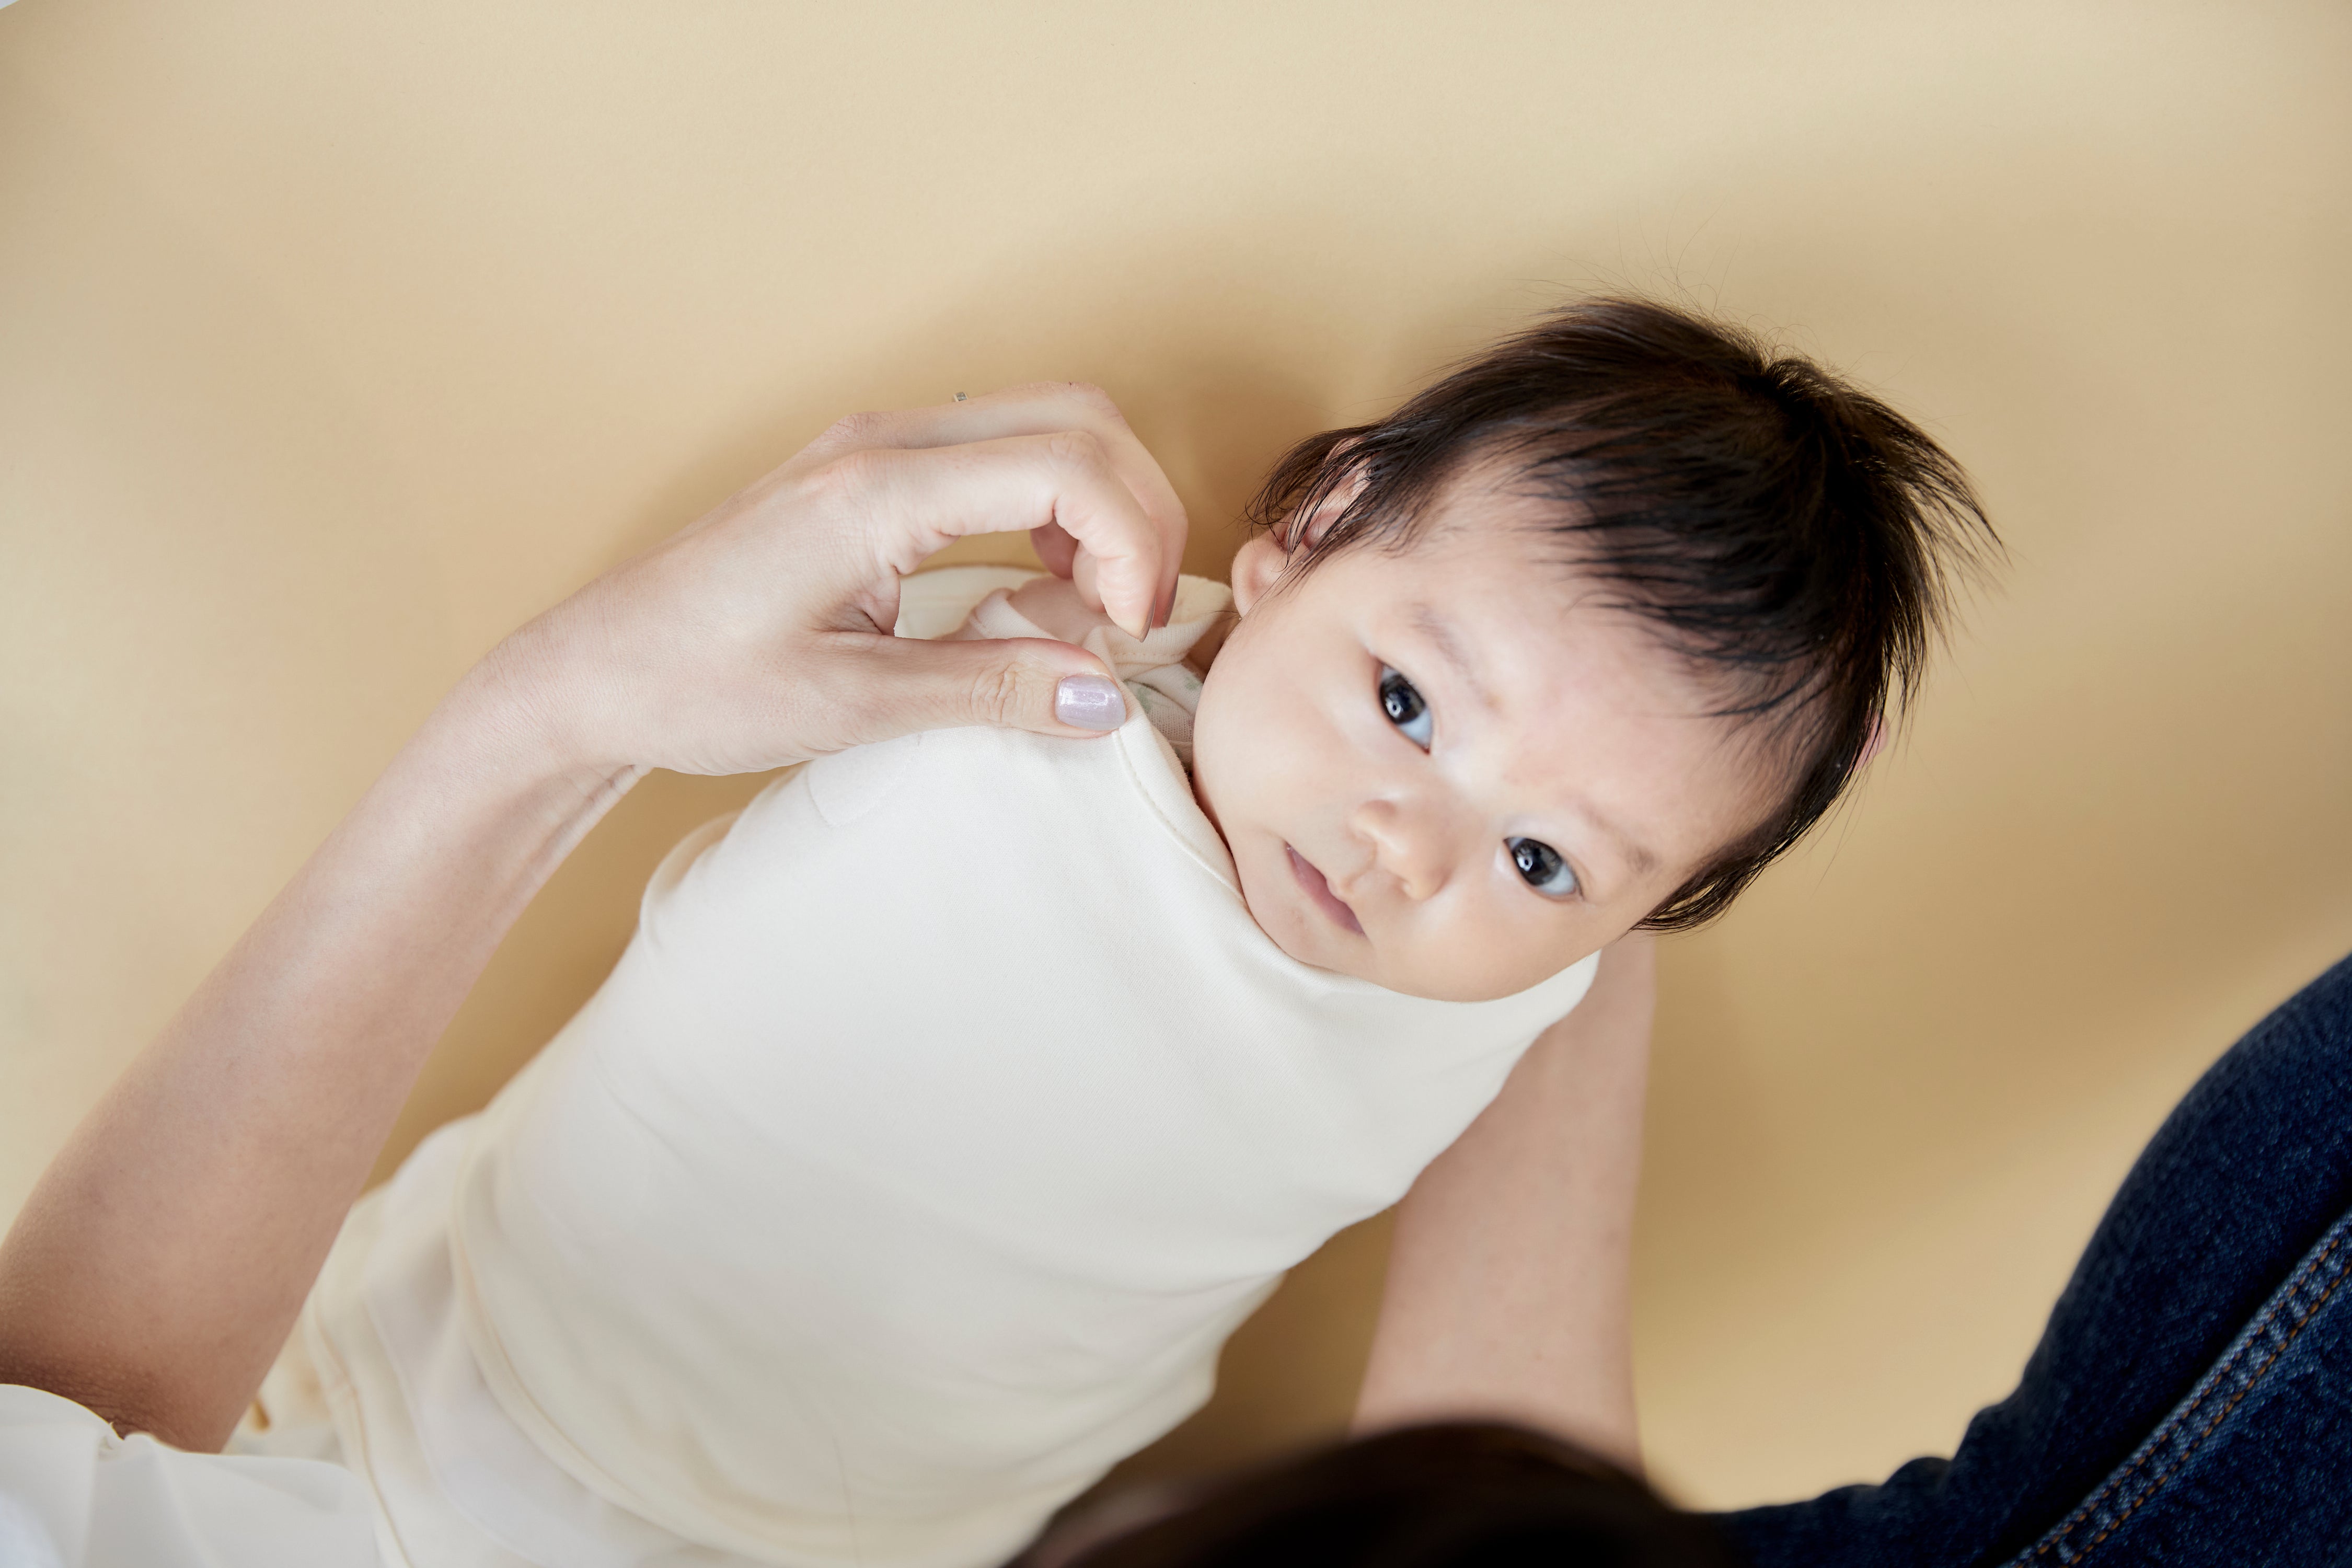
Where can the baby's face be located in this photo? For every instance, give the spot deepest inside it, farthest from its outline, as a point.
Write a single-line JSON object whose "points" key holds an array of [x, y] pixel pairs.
{"points": [[1449, 772]]}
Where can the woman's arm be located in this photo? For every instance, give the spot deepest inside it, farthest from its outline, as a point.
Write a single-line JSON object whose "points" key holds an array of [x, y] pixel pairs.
{"points": [[1509, 1287], [160, 1263]]}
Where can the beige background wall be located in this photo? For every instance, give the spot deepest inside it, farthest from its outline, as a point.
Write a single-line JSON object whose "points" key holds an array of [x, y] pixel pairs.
{"points": [[335, 339]]}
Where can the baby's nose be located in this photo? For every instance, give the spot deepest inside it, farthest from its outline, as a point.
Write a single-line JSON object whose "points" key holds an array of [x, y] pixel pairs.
{"points": [[1409, 844]]}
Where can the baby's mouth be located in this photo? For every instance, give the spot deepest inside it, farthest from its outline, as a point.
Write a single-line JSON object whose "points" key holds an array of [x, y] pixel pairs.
{"points": [[1320, 891]]}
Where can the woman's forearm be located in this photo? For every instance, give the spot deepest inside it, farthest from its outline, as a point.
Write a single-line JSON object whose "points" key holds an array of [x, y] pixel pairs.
{"points": [[161, 1261], [158, 1264], [1508, 1284]]}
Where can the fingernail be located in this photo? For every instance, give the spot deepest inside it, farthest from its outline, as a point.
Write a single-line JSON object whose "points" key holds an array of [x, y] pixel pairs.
{"points": [[1089, 703]]}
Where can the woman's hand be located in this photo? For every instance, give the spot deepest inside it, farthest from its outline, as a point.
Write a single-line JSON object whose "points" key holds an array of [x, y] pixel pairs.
{"points": [[157, 1267], [761, 635]]}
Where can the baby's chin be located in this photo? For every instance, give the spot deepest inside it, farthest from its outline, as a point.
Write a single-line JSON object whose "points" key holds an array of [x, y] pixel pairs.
{"points": [[1281, 921], [1458, 988], [1290, 921]]}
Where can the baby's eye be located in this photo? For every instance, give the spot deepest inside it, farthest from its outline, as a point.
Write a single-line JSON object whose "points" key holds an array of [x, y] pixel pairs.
{"points": [[1540, 865], [1404, 707]]}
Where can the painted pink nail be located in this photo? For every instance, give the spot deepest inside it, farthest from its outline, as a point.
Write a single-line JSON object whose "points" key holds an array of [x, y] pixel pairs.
{"points": [[1089, 703]]}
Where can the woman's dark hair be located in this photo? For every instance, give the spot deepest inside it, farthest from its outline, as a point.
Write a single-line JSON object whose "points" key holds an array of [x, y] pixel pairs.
{"points": [[1786, 533], [1455, 1496]]}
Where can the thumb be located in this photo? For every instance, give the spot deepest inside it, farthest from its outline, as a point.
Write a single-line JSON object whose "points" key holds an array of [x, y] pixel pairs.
{"points": [[1017, 683]]}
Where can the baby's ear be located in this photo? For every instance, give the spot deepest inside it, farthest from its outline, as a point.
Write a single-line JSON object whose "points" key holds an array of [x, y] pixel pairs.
{"points": [[1264, 558], [1256, 565]]}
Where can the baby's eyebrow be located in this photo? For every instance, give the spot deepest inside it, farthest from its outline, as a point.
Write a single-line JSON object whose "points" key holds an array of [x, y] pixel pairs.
{"points": [[1440, 631], [1638, 856]]}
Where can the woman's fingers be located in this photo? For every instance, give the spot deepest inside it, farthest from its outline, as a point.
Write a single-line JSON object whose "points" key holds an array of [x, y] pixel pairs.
{"points": [[758, 635], [1056, 551], [923, 499], [1040, 409]]}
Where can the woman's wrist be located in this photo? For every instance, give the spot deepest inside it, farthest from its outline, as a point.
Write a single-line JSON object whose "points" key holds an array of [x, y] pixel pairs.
{"points": [[513, 729]]}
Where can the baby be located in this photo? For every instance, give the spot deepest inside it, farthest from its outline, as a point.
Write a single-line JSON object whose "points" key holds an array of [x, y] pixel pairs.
{"points": [[956, 1099]]}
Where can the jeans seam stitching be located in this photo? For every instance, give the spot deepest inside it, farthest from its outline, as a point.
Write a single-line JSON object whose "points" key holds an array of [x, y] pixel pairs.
{"points": [[2284, 1301], [2215, 1378], [2156, 1485]]}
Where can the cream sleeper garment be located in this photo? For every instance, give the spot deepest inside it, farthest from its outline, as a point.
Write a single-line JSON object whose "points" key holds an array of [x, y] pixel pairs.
{"points": [[946, 1113]]}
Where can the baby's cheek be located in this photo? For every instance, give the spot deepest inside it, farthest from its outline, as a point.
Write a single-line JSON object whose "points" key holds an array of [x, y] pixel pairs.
{"points": [[1486, 955]]}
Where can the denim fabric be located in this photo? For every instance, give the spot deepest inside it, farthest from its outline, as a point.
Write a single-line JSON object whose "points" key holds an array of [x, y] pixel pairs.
{"points": [[2191, 1402]]}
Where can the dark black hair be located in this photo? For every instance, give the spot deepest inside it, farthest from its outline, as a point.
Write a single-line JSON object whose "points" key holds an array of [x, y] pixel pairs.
{"points": [[1786, 533], [1464, 1495]]}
